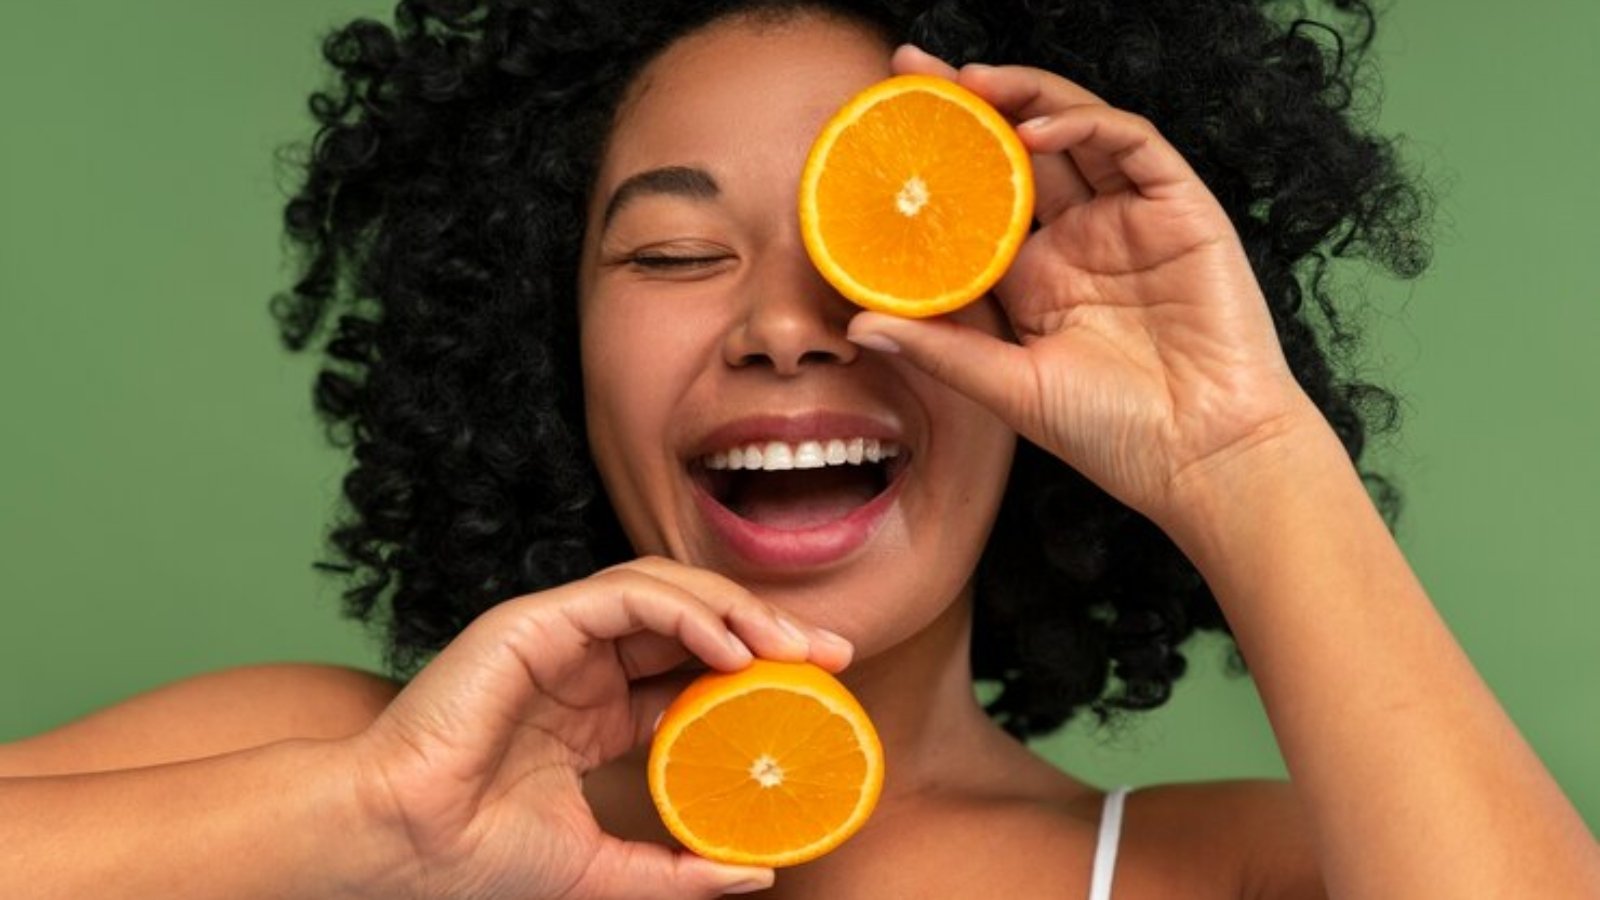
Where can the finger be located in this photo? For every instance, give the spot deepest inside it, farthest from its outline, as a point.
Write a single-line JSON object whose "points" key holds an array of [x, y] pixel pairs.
{"points": [[706, 628], [618, 603], [648, 699], [909, 59], [1113, 148], [975, 363], [640, 871], [647, 655], [767, 630], [1021, 94], [1057, 186]]}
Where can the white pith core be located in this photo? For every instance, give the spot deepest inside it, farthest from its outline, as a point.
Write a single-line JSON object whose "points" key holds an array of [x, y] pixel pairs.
{"points": [[913, 197], [776, 456], [766, 771]]}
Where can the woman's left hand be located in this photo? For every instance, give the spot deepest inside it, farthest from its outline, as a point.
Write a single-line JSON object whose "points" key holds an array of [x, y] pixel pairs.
{"points": [[1146, 350]]}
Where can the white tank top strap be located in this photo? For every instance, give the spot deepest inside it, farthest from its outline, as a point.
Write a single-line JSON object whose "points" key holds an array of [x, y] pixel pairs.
{"points": [[1105, 851]]}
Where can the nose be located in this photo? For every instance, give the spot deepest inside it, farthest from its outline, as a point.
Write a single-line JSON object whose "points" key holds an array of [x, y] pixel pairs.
{"points": [[791, 319]]}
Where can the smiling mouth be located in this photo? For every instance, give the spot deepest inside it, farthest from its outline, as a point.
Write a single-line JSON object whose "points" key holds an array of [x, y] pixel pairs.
{"points": [[795, 487]]}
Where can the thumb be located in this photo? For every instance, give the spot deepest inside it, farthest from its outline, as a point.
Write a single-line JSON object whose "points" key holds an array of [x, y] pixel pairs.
{"points": [[641, 871], [995, 373]]}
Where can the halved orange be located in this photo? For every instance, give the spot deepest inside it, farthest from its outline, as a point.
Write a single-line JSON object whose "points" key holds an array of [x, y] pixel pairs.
{"points": [[773, 765], [915, 197]]}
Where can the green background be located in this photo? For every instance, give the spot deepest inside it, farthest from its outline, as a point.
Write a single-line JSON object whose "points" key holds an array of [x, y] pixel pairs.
{"points": [[164, 487]]}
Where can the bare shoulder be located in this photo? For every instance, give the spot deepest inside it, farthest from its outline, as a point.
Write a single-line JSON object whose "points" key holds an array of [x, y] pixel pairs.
{"points": [[1232, 840], [958, 843], [1249, 838], [1223, 840], [206, 715]]}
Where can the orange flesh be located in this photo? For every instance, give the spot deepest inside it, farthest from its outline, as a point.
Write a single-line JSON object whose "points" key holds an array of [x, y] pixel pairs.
{"points": [[811, 754], [922, 136]]}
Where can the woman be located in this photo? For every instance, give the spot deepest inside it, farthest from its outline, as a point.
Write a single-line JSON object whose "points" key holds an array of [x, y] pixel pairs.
{"points": [[1144, 338]]}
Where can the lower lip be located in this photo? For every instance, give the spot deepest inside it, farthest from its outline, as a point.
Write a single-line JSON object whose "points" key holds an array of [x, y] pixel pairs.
{"points": [[819, 545]]}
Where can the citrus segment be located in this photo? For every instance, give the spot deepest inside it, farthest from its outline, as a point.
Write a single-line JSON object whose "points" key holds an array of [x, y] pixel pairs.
{"points": [[773, 765], [915, 197]]}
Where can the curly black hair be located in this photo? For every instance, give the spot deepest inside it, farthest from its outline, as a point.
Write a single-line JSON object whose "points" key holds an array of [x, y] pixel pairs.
{"points": [[438, 225]]}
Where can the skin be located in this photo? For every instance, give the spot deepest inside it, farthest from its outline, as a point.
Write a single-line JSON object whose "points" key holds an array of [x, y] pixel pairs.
{"points": [[1144, 356], [757, 331]]}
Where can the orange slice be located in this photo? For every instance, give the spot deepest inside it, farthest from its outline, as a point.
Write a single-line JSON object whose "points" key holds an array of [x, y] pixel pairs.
{"points": [[773, 765], [916, 197]]}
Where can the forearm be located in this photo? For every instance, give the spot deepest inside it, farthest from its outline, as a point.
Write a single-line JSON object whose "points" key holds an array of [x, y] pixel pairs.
{"points": [[1417, 782], [277, 821]]}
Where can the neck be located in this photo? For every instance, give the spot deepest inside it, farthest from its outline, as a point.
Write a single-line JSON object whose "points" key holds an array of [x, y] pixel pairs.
{"points": [[920, 696]]}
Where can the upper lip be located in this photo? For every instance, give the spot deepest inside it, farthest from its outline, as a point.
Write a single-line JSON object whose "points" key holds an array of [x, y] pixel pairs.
{"points": [[821, 425]]}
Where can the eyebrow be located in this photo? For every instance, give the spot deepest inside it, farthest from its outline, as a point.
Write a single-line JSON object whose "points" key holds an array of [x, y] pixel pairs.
{"points": [[676, 181]]}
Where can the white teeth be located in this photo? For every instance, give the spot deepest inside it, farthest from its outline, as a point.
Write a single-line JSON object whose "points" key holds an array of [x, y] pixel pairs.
{"points": [[777, 456], [809, 456]]}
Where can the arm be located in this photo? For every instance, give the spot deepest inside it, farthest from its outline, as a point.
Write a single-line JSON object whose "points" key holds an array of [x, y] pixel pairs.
{"points": [[207, 715], [469, 782], [1416, 782], [275, 821], [175, 792], [1147, 359]]}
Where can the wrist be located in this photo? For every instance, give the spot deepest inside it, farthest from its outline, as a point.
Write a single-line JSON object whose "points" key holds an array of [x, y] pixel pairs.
{"points": [[326, 835], [1218, 506], [375, 856]]}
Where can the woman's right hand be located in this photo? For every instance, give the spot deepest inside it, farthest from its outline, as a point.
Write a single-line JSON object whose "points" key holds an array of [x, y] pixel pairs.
{"points": [[474, 774]]}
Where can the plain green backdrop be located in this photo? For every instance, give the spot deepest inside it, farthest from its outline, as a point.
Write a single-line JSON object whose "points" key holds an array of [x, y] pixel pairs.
{"points": [[164, 487]]}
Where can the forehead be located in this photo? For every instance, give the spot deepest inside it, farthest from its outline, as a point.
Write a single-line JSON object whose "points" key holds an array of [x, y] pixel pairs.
{"points": [[741, 96]]}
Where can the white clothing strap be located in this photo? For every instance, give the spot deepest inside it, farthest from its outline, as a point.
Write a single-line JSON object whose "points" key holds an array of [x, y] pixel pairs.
{"points": [[1105, 851]]}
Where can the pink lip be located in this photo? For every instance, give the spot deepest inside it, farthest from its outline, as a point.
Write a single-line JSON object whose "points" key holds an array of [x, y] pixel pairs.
{"points": [[818, 545]]}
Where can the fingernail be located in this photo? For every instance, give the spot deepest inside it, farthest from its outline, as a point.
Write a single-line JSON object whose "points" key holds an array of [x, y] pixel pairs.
{"points": [[829, 637], [793, 631], [748, 886], [738, 647], [880, 342], [656, 725], [1035, 124]]}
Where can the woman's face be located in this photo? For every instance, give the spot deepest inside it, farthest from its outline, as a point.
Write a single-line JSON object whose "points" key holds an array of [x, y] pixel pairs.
{"points": [[709, 340]]}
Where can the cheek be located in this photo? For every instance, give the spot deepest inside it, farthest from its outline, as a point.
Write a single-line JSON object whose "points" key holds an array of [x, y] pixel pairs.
{"points": [[621, 385], [625, 424], [612, 405], [973, 466], [982, 467], [979, 446], [638, 370], [635, 363]]}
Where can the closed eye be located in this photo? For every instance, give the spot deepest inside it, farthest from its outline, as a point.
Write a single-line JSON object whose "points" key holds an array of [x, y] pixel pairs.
{"points": [[686, 264], [672, 261], [685, 259]]}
